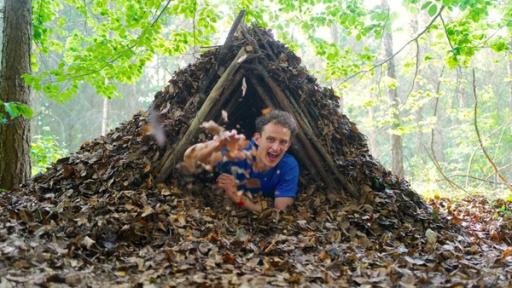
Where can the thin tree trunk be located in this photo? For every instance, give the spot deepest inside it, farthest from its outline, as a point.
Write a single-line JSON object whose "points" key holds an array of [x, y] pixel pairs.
{"points": [[397, 166], [373, 134], [418, 114], [104, 117], [509, 69], [15, 135], [336, 39]]}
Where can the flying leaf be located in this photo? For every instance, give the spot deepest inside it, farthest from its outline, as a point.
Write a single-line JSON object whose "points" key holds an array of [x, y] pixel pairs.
{"points": [[157, 129], [265, 111], [212, 128], [244, 86], [224, 116]]}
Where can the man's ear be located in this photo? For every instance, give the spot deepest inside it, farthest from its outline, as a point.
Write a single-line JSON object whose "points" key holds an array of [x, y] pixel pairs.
{"points": [[256, 136], [289, 144]]}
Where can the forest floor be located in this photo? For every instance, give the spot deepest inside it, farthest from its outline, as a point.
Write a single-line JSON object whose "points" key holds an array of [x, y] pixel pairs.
{"points": [[167, 237]]}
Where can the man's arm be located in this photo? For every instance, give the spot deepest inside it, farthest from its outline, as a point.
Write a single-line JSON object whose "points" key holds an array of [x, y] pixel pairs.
{"points": [[210, 153], [207, 153]]}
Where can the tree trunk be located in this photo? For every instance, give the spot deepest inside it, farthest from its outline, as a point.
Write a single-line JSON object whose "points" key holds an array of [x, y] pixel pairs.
{"points": [[397, 166], [373, 133], [509, 66], [104, 117], [418, 114], [15, 135], [336, 40]]}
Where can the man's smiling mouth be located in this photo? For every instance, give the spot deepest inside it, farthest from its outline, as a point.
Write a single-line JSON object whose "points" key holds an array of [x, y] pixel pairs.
{"points": [[272, 156]]}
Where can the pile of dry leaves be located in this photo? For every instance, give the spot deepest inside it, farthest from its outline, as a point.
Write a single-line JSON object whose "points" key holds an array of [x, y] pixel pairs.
{"points": [[98, 217], [168, 236]]}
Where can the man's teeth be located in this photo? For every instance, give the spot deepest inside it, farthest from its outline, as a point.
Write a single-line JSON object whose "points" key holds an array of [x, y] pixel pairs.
{"points": [[273, 155]]}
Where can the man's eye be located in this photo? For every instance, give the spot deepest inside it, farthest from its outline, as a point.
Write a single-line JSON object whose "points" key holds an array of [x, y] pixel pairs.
{"points": [[284, 143], [271, 140]]}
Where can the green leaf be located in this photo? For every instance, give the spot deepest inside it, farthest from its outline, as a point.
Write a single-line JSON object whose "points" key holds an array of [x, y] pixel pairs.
{"points": [[499, 45], [432, 10], [426, 5], [16, 109]]}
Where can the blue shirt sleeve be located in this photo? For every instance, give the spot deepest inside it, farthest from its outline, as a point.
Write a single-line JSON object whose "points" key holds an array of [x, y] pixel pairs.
{"points": [[288, 183]]}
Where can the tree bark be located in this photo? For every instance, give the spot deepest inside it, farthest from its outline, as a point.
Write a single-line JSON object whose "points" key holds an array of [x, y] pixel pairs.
{"points": [[397, 166], [15, 135], [418, 114], [336, 40], [104, 117]]}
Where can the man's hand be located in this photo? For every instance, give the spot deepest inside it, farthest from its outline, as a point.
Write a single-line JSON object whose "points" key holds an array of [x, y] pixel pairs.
{"points": [[228, 183]]}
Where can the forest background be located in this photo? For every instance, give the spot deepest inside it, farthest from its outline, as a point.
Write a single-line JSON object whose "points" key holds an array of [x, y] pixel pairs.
{"points": [[428, 82]]}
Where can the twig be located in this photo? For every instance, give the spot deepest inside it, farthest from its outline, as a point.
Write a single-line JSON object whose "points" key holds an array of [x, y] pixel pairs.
{"points": [[440, 170], [479, 179], [469, 166], [415, 70], [448, 37], [475, 123], [399, 50], [433, 155], [446, 32]]}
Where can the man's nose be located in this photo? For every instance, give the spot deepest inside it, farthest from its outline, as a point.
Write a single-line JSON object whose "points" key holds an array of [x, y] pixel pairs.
{"points": [[276, 146]]}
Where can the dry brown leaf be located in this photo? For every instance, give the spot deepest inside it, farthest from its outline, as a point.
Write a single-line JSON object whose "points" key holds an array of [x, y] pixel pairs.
{"points": [[87, 242], [148, 210], [265, 111], [212, 128], [228, 258]]}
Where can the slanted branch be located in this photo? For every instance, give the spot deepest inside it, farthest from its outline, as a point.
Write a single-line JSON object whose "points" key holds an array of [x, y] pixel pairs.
{"points": [[173, 156]]}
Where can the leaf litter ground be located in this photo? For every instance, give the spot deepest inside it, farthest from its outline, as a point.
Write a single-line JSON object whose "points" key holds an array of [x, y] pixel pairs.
{"points": [[175, 238]]}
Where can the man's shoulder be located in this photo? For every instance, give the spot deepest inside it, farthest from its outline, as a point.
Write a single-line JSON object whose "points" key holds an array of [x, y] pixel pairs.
{"points": [[289, 162]]}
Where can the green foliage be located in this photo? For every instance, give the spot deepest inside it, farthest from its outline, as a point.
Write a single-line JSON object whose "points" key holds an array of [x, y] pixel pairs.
{"points": [[44, 151], [11, 110], [503, 210], [116, 40]]}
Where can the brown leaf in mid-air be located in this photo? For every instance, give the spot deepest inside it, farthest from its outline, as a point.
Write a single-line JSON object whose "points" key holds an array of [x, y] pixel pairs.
{"points": [[244, 87], [265, 111], [224, 116], [212, 128]]}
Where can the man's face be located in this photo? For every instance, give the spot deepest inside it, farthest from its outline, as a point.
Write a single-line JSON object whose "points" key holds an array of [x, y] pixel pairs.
{"points": [[273, 143]]}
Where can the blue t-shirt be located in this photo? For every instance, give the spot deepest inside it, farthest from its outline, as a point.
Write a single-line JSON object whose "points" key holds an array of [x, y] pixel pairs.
{"points": [[279, 181]]}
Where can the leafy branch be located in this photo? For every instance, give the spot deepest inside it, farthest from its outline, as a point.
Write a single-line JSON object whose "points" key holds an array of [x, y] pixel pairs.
{"points": [[128, 48]]}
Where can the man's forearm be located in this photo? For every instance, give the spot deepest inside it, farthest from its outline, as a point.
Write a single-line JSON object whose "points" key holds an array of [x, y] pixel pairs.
{"points": [[206, 153]]}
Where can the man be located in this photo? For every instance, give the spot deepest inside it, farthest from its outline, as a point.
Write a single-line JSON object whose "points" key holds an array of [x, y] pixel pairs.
{"points": [[263, 166]]}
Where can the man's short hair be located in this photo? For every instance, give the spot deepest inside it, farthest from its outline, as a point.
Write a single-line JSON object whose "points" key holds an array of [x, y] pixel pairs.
{"points": [[279, 117]]}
